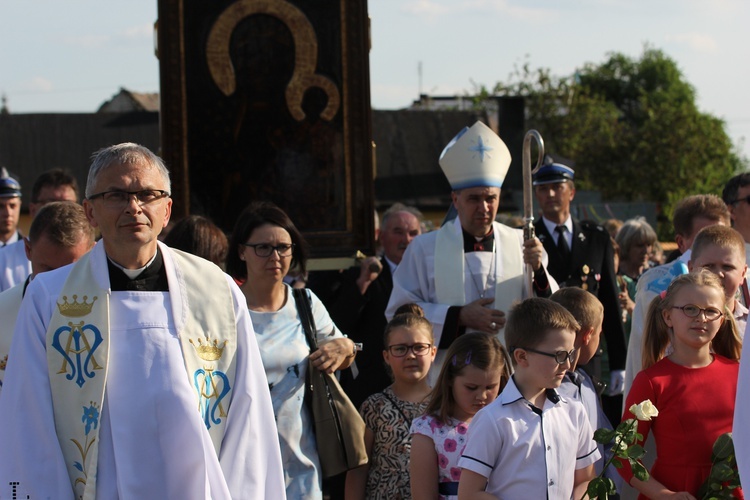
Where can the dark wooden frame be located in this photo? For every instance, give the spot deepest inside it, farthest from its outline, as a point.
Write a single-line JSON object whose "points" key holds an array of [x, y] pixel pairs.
{"points": [[357, 231]]}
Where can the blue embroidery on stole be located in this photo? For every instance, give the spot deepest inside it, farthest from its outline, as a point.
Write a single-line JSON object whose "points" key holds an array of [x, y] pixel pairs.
{"points": [[211, 384], [77, 344]]}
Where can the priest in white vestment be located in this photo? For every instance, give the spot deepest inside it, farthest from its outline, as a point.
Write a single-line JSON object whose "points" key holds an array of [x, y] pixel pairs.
{"points": [[134, 373], [59, 235], [468, 274]]}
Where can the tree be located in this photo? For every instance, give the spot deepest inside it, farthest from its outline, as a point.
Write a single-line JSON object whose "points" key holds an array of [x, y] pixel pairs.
{"points": [[631, 126]]}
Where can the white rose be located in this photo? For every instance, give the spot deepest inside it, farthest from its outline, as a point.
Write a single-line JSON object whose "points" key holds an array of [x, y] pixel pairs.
{"points": [[644, 411]]}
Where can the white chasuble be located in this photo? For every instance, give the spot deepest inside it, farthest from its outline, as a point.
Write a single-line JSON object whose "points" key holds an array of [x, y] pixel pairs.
{"points": [[436, 274], [153, 439]]}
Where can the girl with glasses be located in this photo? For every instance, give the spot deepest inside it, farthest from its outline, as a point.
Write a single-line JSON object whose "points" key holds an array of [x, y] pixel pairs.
{"points": [[473, 374], [691, 349], [409, 353]]}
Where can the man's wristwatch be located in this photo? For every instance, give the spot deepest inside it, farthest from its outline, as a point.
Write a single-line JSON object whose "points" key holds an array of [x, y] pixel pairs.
{"points": [[356, 347]]}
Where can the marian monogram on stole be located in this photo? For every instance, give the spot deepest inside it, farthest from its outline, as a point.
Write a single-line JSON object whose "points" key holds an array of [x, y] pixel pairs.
{"points": [[212, 384], [77, 342]]}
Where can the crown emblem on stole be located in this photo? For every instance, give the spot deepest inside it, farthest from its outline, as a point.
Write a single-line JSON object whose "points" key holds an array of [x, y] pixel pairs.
{"points": [[210, 350], [75, 309]]}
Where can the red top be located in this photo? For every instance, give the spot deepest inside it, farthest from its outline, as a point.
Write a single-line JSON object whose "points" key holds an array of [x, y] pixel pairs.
{"points": [[696, 406]]}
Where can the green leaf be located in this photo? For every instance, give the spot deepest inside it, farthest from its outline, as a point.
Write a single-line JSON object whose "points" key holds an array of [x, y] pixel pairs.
{"points": [[639, 471], [604, 436], [723, 447], [721, 472], [593, 488], [617, 464], [611, 487], [625, 426], [636, 451]]}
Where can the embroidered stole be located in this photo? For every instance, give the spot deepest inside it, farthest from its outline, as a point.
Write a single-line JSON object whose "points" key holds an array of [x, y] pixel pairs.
{"points": [[78, 355], [449, 267]]}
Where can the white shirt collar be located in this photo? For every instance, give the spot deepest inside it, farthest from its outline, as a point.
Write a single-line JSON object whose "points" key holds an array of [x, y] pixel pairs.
{"points": [[551, 225], [391, 265]]}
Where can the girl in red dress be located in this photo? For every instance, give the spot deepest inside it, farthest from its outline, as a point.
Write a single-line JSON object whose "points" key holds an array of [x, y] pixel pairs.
{"points": [[691, 349]]}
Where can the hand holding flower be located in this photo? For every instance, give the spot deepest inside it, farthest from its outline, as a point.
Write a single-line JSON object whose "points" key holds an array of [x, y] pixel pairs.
{"points": [[623, 441]]}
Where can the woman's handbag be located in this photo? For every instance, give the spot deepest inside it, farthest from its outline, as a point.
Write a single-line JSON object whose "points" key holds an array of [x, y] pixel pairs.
{"points": [[339, 428]]}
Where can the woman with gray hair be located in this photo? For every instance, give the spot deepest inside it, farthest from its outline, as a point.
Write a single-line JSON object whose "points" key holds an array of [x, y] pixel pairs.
{"points": [[634, 241]]}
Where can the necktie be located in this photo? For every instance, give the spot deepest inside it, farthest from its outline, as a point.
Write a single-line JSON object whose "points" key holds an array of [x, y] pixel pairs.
{"points": [[562, 243]]}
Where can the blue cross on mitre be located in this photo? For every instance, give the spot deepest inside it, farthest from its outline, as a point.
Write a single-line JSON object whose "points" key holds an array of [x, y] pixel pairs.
{"points": [[480, 148]]}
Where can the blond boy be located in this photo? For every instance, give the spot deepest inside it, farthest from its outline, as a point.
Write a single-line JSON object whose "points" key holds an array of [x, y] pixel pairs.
{"points": [[509, 453], [721, 250], [578, 385]]}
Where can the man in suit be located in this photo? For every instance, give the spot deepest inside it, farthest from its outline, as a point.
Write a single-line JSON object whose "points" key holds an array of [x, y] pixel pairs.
{"points": [[358, 308], [581, 255]]}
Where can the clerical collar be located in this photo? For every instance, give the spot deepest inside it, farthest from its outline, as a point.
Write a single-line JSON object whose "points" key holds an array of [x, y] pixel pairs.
{"points": [[474, 244], [150, 278]]}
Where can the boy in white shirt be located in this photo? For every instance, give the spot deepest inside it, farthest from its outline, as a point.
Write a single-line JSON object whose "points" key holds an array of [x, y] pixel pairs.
{"points": [[530, 442]]}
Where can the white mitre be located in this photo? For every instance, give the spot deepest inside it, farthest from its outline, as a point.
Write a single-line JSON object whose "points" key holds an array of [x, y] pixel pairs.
{"points": [[475, 157]]}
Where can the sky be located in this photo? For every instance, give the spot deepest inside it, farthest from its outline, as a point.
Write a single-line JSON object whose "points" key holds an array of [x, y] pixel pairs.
{"points": [[72, 56]]}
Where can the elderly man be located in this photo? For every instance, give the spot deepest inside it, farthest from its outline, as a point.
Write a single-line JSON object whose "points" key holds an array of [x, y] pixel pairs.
{"points": [[466, 275], [581, 255], [358, 307], [52, 185], [59, 235], [141, 384]]}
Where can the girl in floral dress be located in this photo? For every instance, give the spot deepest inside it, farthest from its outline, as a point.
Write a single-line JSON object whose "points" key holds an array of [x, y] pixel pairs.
{"points": [[474, 373], [409, 352]]}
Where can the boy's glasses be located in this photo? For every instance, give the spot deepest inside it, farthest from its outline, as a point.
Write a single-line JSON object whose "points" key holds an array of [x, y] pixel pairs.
{"points": [[265, 250], [693, 311], [560, 356], [400, 350]]}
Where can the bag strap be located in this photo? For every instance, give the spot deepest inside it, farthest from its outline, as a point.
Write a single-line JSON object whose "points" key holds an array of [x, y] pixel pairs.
{"points": [[304, 308], [395, 404]]}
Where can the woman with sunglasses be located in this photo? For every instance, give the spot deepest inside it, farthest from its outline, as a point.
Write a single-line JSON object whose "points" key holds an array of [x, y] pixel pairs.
{"points": [[691, 350], [265, 244]]}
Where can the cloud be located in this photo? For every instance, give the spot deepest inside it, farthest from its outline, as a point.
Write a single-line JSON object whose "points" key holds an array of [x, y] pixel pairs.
{"points": [[433, 9], [425, 8], [87, 41], [696, 41], [140, 31], [505, 7], [38, 84]]}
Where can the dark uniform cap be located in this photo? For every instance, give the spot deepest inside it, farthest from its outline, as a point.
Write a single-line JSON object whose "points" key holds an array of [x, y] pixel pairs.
{"points": [[9, 187], [553, 173]]}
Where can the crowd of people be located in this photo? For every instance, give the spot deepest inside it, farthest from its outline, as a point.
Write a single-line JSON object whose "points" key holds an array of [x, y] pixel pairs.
{"points": [[170, 360]]}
